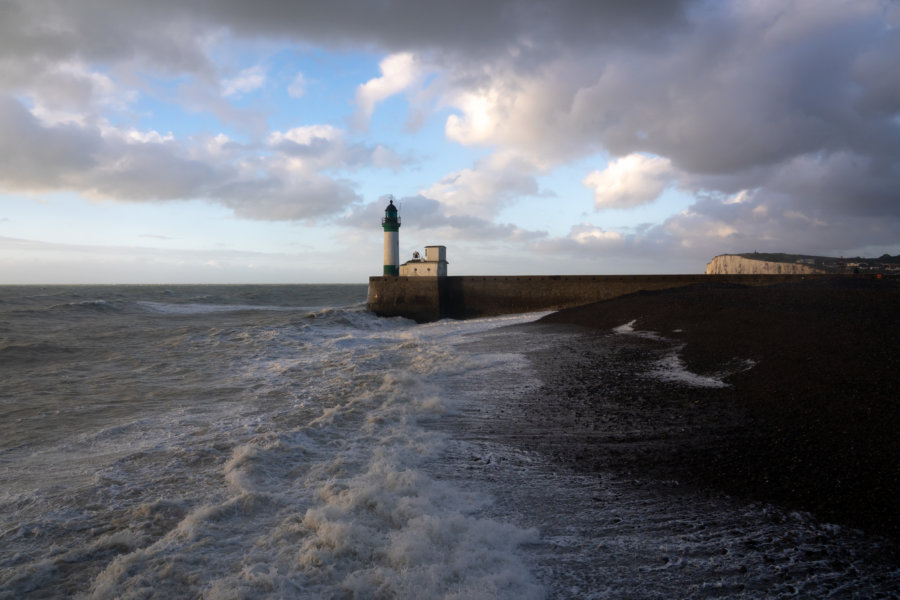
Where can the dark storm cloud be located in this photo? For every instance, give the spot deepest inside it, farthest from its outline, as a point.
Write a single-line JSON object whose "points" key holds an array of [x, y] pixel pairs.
{"points": [[766, 92], [466, 27], [167, 32], [27, 149], [797, 102], [163, 33]]}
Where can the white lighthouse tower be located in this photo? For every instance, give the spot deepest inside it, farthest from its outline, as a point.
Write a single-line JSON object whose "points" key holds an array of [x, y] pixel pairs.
{"points": [[391, 224]]}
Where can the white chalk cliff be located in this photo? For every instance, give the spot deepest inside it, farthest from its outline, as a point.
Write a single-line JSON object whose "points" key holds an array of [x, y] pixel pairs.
{"points": [[733, 264]]}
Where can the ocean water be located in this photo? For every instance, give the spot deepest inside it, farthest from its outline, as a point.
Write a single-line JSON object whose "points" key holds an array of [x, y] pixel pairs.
{"points": [[281, 442]]}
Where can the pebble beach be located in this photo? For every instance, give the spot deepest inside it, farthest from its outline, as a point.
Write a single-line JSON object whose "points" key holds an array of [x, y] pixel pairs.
{"points": [[807, 416]]}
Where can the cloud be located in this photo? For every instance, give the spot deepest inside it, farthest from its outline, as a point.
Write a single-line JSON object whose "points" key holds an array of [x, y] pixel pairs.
{"points": [[629, 181], [129, 165], [584, 239], [422, 213], [470, 29], [398, 72], [302, 197], [840, 184], [797, 100], [319, 147], [308, 141], [248, 80], [204, 98], [797, 104], [483, 190], [520, 112], [586, 236], [297, 87], [45, 48], [174, 37], [746, 221], [739, 86], [36, 157]]}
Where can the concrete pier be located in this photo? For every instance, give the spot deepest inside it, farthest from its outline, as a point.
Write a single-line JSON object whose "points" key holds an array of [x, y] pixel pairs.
{"points": [[429, 299]]}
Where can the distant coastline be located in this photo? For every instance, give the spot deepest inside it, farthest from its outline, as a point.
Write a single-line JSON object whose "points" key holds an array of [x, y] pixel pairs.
{"points": [[779, 263]]}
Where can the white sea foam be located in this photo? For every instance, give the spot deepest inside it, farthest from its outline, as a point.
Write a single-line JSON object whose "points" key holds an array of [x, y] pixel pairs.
{"points": [[628, 329], [168, 308], [672, 368], [393, 531], [339, 503]]}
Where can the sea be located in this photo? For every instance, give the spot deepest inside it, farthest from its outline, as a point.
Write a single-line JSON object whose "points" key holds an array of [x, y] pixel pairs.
{"points": [[279, 441]]}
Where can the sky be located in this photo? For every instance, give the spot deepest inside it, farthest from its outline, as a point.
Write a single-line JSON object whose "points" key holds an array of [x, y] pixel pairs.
{"points": [[224, 141]]}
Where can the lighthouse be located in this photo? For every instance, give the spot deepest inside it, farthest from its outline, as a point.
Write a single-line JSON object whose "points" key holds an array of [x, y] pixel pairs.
{"points": [[391, 224]]}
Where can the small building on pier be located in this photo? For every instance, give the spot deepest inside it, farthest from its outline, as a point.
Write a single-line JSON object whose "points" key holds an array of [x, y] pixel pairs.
{"points": [[433, 265]]}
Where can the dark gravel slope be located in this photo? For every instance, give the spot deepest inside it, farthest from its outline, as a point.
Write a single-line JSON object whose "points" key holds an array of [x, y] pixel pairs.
{"points": [[813, 425]]}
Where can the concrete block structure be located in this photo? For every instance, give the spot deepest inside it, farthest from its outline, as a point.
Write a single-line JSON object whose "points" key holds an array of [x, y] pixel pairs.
{"points": [[433, 265]]}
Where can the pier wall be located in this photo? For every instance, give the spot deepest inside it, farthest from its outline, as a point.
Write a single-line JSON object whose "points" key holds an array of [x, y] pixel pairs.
{"points": [[416, 298], [430, 299]]}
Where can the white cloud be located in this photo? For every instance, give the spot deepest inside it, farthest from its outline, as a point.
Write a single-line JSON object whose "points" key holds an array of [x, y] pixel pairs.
{"points": [[130, 165], [246, 81], [216, 145], [630, 181], [306, 135], [741, 197], [312, 147], [481, 113], [133, 135], [589, 235], [297, 87], [398, 72], [521, 113], [486, 188]]}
